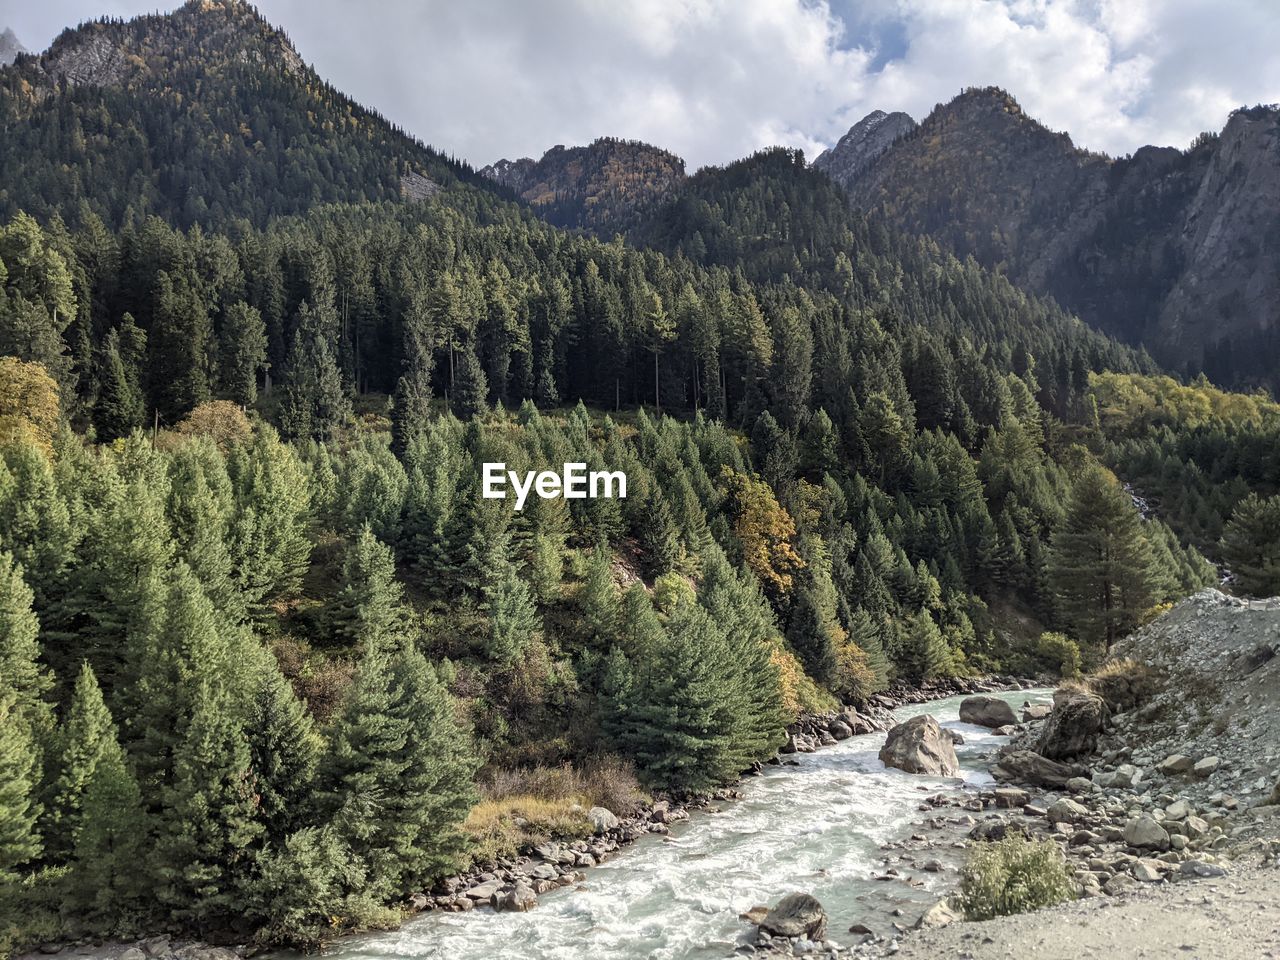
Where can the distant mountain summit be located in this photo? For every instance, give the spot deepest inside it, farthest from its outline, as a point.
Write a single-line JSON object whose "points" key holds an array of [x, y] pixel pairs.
{"points": [[599, 187], [207, 112], [10, 47], [863, 145], [1176, 250]]}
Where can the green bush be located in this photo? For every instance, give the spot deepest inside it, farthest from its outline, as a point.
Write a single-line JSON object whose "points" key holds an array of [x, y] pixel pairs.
{"points": [[1014, 875], [1059, 652]]}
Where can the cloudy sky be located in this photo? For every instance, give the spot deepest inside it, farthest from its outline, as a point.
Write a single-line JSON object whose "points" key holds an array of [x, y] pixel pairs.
{"points": [[715, 79]]}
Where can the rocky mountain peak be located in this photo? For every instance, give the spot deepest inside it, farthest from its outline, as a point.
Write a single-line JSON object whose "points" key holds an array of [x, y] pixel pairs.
{"points": [[10, 47], [104, 53], [866, 141]]}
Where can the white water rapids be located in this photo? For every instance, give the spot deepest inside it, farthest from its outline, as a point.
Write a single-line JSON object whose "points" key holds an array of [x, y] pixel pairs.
{"points": [[815, 827]]}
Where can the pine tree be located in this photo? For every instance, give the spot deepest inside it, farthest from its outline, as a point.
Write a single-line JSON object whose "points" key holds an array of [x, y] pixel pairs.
{"points": [[924, 653], [243, 353], [19, 809], [397, 779], [121, 403], [1101, 563], [470, 395], [660, 535], [513, 615], [680, 708], [208, 823], [810, 636], [21, 672], [105, 886], [863, 632], [81, 740], [1251, 546], [284, 753], [369, 612], [315, 403]]}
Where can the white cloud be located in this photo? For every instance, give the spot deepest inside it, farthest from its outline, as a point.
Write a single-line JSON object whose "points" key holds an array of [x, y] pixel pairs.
{"points": [[715, 79]]}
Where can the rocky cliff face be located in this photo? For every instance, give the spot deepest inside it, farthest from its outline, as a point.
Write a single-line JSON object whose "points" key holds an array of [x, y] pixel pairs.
{"points": [[1172, 249], [865, 142], [9, 47], [600, 187]]}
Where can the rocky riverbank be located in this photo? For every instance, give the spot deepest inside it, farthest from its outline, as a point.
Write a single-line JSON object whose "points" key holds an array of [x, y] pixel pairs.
{"points": [[1161, 771]]}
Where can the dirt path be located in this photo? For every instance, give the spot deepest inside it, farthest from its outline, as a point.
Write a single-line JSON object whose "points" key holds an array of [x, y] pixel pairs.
{"points": [[1236, 917]]}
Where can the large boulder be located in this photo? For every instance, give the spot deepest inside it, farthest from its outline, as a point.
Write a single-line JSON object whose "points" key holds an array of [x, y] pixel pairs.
{"points": [[1073, 727], [519, 898], [1029, 767], [920, 745], [602, 820], [1145, 833], [985, 711], [796, 915]]}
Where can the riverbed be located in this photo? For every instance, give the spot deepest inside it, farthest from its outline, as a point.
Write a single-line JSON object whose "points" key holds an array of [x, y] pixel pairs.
{"points": [[816, 826]]}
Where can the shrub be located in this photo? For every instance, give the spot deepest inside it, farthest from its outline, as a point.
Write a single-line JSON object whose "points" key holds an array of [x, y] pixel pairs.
{"points": [[1014, 875], [1123, 684], [1059, 652]]}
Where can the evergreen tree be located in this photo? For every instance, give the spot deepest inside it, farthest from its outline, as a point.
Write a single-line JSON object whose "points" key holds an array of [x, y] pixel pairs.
{"points": [[660, 535], [105, 885], [84, 735], [513, 615], [19, 809], [284, 753], [397, 779], [1101, 563], [121, 403], [315, 403], [209, 821], [243, 353], [1251, 546], [369, 611], [810, 636]]}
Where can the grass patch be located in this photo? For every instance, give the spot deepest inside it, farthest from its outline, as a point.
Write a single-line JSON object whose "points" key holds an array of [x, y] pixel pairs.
{"points": [[523, 807], [1014, 875]]}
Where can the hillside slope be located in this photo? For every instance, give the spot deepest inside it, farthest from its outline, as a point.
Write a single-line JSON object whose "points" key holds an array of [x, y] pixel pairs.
{"points": [[600, 187], [197, 116], [1175, 250]]}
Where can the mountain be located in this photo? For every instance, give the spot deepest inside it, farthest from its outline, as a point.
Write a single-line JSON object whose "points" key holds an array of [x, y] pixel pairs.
{"points": [[1171, 249], [205, 113], [601, 187], [10, 47], [863, 144]]}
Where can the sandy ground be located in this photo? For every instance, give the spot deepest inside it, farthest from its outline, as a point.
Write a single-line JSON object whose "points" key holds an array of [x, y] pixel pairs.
{"points": [[1236, 917]]}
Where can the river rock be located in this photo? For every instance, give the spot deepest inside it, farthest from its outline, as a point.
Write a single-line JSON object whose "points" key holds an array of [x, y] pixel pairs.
{"points": [[985, 711], [1073, 727], [1027, 766], [1066, 810], [483, 891], [840, 730], [939, 915], [1205, 767], [602, 820], [1145, 832], [1035, 711], [1126, 775], [1146, 871], [1174, 764], [796, 915], [920, 745], [518, 899]]}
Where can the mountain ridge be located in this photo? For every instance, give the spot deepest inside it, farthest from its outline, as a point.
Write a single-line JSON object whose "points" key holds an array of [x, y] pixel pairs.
{"points": [[1165, 248]]}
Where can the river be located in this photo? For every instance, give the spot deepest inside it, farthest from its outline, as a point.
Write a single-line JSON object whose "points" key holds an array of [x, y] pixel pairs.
{"points": [[815, 827]]}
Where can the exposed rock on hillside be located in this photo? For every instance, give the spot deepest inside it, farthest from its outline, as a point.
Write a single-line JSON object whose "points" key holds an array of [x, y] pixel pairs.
{"points": [[10, 47], [1169, 248], [863, 144], [597, 187]]}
